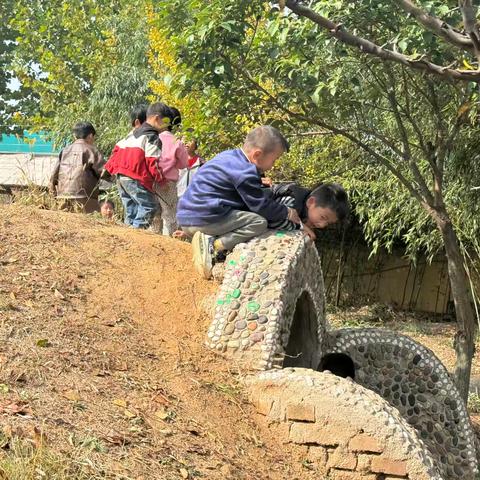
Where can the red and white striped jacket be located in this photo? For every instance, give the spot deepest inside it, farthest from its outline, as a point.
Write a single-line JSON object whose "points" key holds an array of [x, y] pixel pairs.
{"points": [[138, 156]]}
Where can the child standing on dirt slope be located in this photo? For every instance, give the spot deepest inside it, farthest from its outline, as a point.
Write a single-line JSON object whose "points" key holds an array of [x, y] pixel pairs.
{"points": [[136, 162], [225, 204], [174, 158], [325, 205], [78, 170]]}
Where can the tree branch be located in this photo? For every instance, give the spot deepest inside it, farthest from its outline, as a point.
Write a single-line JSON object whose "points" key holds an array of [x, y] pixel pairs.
{"points": [[437, 26], [349, 136], [469, 14], [366, 46], [407, 154]]}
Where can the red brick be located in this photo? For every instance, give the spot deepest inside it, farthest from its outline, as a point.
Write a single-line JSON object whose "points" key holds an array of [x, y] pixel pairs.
{"points": [[301, 412], [389, 466], [364, 462], [343, 459], [319, 434], [263, 405], [346, 475], [365, 443], [318, 456]]}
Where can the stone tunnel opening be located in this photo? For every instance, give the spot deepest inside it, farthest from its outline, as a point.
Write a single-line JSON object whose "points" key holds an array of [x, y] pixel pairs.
{"points": [[303, 347], [339, 364]]}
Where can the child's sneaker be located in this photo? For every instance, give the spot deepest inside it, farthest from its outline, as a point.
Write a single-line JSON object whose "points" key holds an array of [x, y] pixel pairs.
{"points": [[203, 253]]}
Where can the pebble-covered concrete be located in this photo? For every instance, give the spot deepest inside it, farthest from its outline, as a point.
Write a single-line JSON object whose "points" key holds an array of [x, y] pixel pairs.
{"points": [[270, 314], [262, 282], [350, 429], [413, 380]]}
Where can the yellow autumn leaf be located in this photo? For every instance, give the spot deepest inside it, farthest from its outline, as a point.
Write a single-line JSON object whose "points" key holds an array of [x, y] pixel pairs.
{"points": [[72, 396]]}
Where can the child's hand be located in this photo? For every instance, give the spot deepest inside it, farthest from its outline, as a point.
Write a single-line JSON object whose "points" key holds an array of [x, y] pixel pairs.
{"points": [[293, 216], [179, 235], [267, 181], [309, 232]]}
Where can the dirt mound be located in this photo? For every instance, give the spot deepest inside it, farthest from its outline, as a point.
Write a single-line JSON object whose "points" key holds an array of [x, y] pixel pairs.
{"points": [[102, 356]]}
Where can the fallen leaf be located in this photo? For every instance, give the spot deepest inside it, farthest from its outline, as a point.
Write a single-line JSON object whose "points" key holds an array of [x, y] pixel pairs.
{"points": [[38, 437], [129, 414], [161, 414], [43, 343], [16, 408], [72, 396], [12, 296], [117, 439], [57, 294], [120, 403], [184, 473], [4, 388], [226, 470]]}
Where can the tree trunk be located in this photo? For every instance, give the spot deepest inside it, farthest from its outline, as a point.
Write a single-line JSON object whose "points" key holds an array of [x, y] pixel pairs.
{"points": [[465, 336]]}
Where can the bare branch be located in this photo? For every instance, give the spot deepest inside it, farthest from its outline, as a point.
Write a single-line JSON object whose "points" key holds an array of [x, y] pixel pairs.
{"points": [[437, 26], [310, 134], [366, 46], [407, 154]]}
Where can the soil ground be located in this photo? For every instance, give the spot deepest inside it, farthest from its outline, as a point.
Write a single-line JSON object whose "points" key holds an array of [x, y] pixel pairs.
{"points": [[102, 359]]}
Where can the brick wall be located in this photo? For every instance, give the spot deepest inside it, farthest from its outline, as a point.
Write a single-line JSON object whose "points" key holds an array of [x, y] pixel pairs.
{"points": [[342, 430]]}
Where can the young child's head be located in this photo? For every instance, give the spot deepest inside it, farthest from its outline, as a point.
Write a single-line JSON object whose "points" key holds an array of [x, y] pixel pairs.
{"points": [[192, 146], [138, 115], [175, 118], [264, 146], [107, 209], [159, 116], [84, 131], [327, 204]]}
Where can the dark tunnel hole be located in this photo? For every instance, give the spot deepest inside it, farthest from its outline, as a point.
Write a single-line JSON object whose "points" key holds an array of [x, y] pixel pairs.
{"points": [[339, 364], [303, 348]]}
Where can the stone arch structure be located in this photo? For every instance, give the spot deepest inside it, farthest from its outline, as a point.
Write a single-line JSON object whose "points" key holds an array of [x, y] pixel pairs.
{"points": [[350, 431], [271, 295], [414, 381], [270, 314]]}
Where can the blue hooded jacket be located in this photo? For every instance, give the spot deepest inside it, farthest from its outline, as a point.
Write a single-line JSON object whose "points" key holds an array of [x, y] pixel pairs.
{"points": [[227, 182]]}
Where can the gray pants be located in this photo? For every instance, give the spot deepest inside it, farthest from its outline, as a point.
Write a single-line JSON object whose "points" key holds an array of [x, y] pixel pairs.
{"points": [[236, 227]]}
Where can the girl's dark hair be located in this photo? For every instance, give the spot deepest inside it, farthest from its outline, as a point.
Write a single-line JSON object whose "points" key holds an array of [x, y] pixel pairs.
{"points": [[159, 109], [139, 112], [83, 130], [175, 117], [107, 202], [332, 196]]}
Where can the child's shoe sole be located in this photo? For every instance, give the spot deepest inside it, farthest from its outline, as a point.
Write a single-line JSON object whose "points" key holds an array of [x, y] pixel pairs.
{"points": [[202, 257]]}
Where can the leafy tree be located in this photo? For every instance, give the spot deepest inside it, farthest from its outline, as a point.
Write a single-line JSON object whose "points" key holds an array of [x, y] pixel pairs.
{"points": [[86, 60], [301, 73]]}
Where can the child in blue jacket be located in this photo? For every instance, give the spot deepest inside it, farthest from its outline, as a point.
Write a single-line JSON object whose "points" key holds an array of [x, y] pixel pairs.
{"points": [[225, 204]]}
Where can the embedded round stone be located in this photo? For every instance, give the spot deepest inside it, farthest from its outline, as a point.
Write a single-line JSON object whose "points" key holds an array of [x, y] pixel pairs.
{"points": [[253, 306], [240, 325], [256, 337], [236, 293], [229, 329], [252, 326], [262, 319]]}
